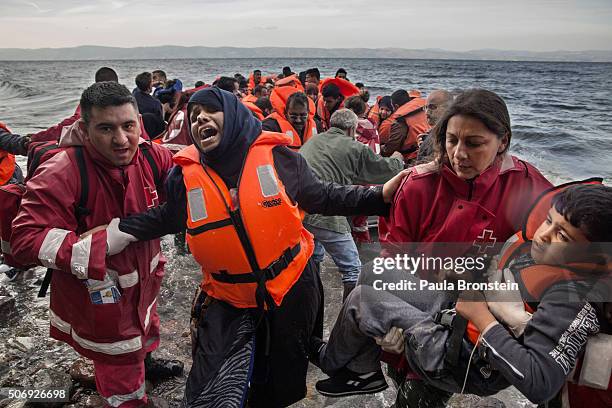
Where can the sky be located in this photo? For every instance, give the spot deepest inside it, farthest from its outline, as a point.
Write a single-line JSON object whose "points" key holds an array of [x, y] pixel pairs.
{"points": [[458, 25]]}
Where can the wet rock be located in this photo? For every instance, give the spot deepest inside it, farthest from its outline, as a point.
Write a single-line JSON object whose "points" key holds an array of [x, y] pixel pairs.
{"points": [[24, 344], [82, 371], [8, 311], [94, 401], [51, 378], [156, 402], [16, 404]]}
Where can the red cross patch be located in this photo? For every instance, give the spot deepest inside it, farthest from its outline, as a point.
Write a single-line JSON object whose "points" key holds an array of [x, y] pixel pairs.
{"points": [[485, 241], [151, 196]]}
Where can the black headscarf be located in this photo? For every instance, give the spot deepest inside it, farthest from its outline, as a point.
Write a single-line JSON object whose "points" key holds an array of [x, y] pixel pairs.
{"points": [[240, 129]]}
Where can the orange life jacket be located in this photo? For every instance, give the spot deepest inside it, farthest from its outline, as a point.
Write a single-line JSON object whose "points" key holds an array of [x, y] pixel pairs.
{"points": [[250, 242], [278, 99], [252, 83], [289, 130], [254, 109], [347, 88], [249, 98], [413, 114], [291, 80], [7, 162], [535, 280]]}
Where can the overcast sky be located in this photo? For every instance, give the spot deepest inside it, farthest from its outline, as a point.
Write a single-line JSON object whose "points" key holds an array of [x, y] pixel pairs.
{"points": [[538, 25]]}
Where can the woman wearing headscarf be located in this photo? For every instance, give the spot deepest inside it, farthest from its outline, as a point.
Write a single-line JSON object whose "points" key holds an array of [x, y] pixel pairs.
{"points": [[240, 193]]}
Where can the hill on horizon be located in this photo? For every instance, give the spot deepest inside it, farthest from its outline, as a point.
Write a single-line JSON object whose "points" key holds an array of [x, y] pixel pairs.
{"points": [[94, 52]]}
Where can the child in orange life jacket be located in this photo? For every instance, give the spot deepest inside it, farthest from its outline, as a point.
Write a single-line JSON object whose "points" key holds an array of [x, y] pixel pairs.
{"points": [[559, 268]]}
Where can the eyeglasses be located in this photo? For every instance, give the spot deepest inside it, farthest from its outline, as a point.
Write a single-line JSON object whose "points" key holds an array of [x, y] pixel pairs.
{"points": [[303, 116], [430, 107]]}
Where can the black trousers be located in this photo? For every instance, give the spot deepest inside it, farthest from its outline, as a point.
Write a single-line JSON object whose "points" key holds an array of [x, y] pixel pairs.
{"points": [[282, 346]]}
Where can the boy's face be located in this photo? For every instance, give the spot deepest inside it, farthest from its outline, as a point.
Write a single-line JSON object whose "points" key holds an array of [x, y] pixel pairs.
{"points": [[557, 242]]}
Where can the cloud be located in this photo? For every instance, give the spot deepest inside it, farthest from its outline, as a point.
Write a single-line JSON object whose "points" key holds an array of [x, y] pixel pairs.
{"points": [[449, 24]]}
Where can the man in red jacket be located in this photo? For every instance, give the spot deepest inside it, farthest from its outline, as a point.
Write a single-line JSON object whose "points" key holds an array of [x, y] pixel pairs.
{"points": [[103, 306]]}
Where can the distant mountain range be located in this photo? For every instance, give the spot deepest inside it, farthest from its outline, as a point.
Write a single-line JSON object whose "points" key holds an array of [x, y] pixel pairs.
{"points": [[91, 52]]}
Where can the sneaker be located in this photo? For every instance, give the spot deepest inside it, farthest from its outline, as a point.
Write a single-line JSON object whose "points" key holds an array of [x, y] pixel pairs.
{"points": [[157, 369], [347, 382]]}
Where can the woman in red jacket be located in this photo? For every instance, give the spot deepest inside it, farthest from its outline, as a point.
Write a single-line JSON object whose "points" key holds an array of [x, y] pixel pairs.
{"points": [[474, 193]]}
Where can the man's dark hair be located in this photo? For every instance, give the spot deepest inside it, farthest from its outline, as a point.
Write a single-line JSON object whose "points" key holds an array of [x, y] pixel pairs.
{"points": [[359, 85], [331, 90], [160, 73], [287, 71], [198, 84], [257, 71], [143, 81], [257, 89], [106, 74], [264, 103], [356, 104], [400, 97], [314, 72], [297, 98], [103, 95], [589, 208], [226, 83], [341, 71]]}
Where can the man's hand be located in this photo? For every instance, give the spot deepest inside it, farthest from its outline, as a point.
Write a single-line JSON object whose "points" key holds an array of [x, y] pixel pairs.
{"points": [[116, 240], [473, 307], [392, 185], [393, 341], [92, 231]]}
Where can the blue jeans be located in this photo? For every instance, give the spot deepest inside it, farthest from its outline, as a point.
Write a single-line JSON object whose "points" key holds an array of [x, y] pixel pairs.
{"points": [[341, 248]]}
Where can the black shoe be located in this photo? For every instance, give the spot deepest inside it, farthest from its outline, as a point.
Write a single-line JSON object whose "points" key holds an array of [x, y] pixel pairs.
{"points": [[12, 273], [316, 345], [347, 383], [162, 369]]}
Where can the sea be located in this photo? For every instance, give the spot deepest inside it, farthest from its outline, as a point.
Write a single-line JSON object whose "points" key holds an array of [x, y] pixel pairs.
{"points": [[561, 123], [561, 111]]}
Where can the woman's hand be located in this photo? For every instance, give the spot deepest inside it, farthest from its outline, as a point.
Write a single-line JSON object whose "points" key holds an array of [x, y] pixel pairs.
{"points": [[392, 185]]}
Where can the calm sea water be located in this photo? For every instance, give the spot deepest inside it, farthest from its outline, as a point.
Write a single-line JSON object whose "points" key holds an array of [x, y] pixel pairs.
{"points": [[561, 112]]}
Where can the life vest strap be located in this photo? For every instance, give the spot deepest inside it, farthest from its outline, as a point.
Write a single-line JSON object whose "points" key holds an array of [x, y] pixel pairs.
{"points": [[269, 273], [209, 226]]}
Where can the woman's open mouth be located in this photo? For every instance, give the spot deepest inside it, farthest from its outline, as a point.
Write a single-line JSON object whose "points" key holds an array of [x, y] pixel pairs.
{"points": [[207, 133]]}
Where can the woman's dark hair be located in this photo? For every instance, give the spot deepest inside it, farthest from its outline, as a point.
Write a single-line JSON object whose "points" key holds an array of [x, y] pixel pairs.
{"points": [[480, 104], [589, 208], [356, 104]]}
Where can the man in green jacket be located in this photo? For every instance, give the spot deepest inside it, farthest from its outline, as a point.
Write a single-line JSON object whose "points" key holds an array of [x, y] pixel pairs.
{"points": [[336, 156]]}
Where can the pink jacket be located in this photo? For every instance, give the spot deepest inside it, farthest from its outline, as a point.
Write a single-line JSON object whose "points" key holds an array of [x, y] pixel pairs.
{"points": [[46, 232]]}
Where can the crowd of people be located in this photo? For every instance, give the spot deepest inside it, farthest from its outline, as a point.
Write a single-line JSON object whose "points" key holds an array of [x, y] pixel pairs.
{"points": [[258, 177]]}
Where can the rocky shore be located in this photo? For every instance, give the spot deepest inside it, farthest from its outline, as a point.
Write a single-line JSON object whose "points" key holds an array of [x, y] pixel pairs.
{"points": [[29, 358]]}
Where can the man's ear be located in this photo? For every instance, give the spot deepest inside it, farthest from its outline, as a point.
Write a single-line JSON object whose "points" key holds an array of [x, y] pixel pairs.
{"points": [[83, 128]]}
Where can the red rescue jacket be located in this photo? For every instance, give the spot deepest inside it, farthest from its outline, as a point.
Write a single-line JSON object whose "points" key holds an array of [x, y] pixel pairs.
{"points": [[46, 232]]}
